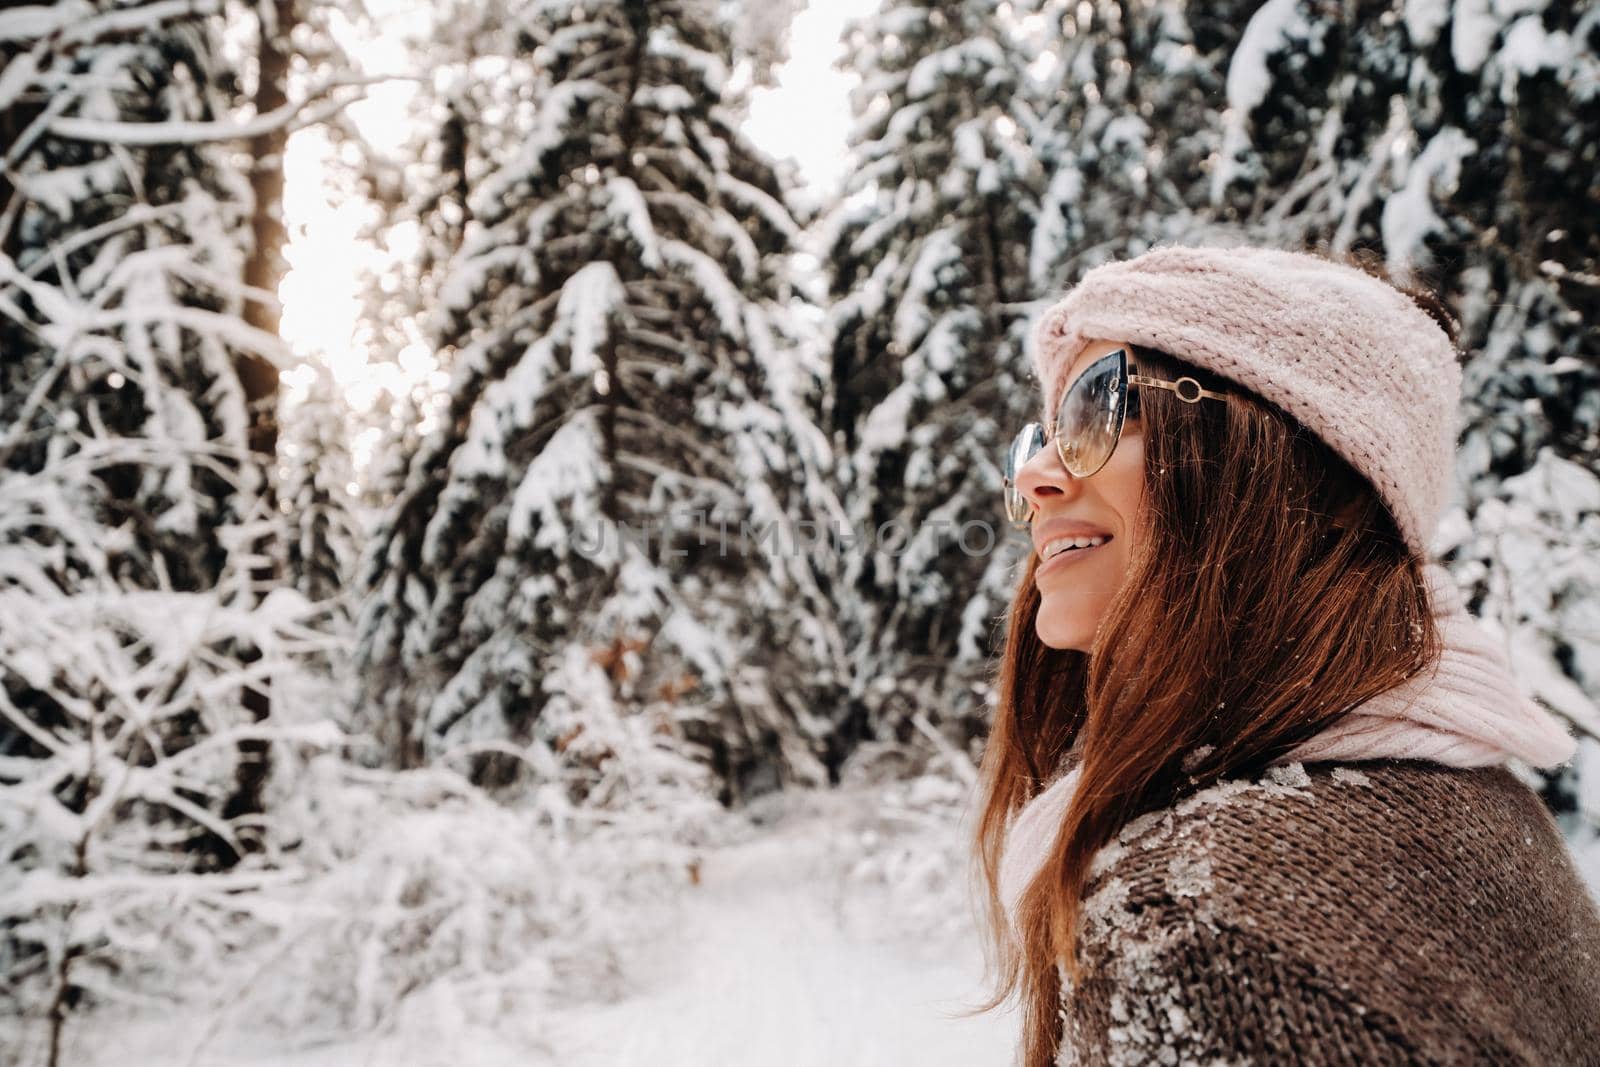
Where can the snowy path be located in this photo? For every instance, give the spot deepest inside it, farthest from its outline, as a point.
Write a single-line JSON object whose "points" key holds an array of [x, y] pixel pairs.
{"points": [[763, 971], [766, 963]]}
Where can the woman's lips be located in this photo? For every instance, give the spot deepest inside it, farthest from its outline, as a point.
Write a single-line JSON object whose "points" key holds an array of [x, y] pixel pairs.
{"points": [[1066, 559]]}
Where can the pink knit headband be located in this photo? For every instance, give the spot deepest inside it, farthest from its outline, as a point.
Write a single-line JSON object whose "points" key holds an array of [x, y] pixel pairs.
{"points": [[1351, 357]]}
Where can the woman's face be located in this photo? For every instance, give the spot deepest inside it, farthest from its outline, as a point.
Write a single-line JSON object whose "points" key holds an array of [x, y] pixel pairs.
{"points": [[1076, 585]]}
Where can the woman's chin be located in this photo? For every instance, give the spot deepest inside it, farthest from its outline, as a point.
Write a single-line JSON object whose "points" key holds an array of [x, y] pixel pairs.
{"points": [[1054, 631]]}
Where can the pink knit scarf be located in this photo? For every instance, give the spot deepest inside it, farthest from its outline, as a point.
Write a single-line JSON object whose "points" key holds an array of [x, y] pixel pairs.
{"points": [[1469, 712]]}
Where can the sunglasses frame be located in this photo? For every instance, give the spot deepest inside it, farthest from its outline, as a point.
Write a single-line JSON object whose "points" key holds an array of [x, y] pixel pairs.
{"points": [[1188, 389]]}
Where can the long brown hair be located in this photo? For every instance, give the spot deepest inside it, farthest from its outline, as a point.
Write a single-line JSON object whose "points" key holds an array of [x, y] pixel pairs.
{"points": [[1262, 554]]}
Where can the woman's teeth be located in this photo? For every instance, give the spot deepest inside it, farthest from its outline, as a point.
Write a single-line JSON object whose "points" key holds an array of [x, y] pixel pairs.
{"points": [[1064, 544]]}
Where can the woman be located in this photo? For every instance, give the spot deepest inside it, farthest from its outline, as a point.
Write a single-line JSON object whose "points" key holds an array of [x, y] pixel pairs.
{"points": [[1246, 795]]}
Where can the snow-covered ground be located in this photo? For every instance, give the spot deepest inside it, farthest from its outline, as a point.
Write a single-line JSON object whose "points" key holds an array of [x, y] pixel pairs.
{"points": [[799, 946], [826, 928], [766, 970]]}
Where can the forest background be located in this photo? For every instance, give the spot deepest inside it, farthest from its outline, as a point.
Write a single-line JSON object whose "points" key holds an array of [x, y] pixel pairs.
{"points": [[382, 387]]}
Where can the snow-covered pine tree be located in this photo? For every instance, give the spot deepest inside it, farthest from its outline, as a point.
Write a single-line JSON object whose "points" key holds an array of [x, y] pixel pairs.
{"points": [[595, 553], [761, 34], [1125, 127], [132, 517], [1456, 139], [928, 259], [121, 326], [465, 110], [318, 489]]}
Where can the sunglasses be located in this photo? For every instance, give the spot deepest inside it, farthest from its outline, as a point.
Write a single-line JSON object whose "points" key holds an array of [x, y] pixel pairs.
{"points": [[1088, 424]]}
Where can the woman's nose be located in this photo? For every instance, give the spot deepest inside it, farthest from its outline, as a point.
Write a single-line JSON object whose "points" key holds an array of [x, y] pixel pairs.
{"points": [[1043, 478]]}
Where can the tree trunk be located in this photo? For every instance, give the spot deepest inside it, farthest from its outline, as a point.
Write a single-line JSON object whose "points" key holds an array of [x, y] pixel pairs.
{"points": [[257, 375]]}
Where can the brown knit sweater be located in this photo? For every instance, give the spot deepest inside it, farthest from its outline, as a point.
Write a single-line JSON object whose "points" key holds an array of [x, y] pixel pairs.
{"points": [[1374, 912]]}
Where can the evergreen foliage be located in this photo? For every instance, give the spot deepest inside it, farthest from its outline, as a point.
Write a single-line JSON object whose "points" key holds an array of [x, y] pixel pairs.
{"points": [[593, 555]]}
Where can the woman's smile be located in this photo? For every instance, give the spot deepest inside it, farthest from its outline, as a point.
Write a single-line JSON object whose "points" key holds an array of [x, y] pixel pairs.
{"points": [[1059, 560]]}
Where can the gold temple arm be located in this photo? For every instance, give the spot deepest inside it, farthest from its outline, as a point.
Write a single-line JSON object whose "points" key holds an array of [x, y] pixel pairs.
{"points": [[1188, 390]]}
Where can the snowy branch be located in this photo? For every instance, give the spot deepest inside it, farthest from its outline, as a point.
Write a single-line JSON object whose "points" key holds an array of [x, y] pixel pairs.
{"points": [[181, 132]]}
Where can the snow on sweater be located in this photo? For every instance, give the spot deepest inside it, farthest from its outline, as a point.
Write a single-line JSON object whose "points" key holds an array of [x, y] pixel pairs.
{"points": [[1463, 720], [1467, 712], [1345, 912]]}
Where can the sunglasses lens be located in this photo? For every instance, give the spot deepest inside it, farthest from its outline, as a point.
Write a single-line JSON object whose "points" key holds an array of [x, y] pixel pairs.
{"points": [[1089, 421], [1027, 442]]}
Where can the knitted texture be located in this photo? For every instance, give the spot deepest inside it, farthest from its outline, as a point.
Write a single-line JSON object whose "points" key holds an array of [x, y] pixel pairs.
{"points": [[1377, 912], [1348, 355], [1467, 711]]}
